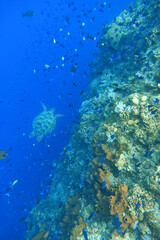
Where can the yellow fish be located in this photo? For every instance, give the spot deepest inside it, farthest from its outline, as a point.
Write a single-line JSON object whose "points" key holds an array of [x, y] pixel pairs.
{"points": [[47, 66]]}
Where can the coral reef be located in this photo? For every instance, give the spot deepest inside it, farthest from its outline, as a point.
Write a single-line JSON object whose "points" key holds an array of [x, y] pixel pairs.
{"points": [[71, 224], [111, 165]]}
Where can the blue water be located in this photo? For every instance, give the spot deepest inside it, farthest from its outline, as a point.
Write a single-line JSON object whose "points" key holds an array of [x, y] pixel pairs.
{"points": [[26, 45]]}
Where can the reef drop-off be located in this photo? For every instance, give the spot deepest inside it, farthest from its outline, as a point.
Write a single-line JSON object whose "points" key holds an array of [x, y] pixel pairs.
{"points": [[107, 184]]}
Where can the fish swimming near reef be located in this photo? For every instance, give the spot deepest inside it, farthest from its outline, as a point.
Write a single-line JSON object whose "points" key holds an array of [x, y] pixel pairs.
{"points": [[44, 123], [28, 13], [3, 154], [41, 236], [85, 234], [91, 215]]}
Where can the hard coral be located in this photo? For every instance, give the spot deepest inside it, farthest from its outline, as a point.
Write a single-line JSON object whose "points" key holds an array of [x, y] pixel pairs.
{"points": [[110, 199], [78, 228], [70, 215], [118, 204]]}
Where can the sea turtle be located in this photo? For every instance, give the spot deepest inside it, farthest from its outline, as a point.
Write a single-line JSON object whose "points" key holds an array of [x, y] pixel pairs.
{"points": [[44, 123]]}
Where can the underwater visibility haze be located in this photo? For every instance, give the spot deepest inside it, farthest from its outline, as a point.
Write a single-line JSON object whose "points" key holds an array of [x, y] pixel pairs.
{"points": [[80, 111]]}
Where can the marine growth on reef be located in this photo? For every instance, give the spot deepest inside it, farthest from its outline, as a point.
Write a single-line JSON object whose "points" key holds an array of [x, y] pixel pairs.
{"points": [[107, 184]]}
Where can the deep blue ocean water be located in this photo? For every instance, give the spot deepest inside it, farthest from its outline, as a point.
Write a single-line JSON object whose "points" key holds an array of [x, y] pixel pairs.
{"points": [[27, 45]]}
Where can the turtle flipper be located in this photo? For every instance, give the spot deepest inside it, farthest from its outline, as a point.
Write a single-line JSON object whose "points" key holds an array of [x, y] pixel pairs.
{"points": [[44, 107]]}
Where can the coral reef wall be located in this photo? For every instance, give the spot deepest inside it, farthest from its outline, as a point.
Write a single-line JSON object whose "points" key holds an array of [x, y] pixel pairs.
{"points": [[107, 185]]}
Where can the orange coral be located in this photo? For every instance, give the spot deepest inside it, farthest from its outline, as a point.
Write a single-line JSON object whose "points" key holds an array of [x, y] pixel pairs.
{"points": [[118, 204], [110, 199], [70, 214], [107, 152], [78, 228]]}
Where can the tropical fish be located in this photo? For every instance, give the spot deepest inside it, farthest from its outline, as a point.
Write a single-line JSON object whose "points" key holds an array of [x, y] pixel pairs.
{"points": [[82, 91], [148, 154], [12, 184], [28, 13], [117, 223], [3, 154], [104, 184], [137, 165], [92, 215], [47, 66], [41, 236], [22, 219], [85, 234]]}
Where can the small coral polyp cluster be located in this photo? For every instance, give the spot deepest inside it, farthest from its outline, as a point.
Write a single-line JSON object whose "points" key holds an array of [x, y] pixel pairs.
{"points": [[107, 184]]}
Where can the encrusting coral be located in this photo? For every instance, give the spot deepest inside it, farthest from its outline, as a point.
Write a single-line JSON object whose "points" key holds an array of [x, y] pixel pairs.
{"points": [[70, 217], [110, 195]]}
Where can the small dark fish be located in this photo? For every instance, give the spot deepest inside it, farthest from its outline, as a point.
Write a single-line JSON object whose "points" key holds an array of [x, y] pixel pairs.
{"points": [[82, 91], [81, 43], [38, 200], [85, 234], [117, 223], [117, 90], [115, 84], [75, 122], [67, 19], [99, 73], [3, 154], [137, 165], [92, 19], [89, 36], [21, 219], [70, 105], [28, 13], [109, 5], [73, 68], [74, 84]]}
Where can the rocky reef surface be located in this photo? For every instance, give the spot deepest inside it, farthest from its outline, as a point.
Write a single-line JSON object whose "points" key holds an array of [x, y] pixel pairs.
{"points": [[107, 184]]}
